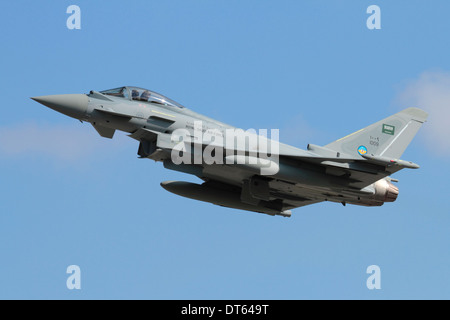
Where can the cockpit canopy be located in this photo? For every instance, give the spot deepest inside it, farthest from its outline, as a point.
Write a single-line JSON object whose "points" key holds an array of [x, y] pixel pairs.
{"points": [[140, 94]]}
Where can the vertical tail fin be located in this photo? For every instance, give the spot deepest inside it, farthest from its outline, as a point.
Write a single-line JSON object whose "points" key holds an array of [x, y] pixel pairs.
{"points": [[388, 137]]}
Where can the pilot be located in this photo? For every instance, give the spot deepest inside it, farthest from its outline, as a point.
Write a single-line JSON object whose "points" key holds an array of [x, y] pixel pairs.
{"points": [[134, 94], [145, 95]]}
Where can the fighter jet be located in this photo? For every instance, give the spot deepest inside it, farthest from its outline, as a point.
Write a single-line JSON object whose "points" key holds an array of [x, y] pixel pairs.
{"points": [[355, 169]]}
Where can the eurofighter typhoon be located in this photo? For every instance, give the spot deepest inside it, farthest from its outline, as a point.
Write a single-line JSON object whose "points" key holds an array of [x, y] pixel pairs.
{"points": [[247, 170]]}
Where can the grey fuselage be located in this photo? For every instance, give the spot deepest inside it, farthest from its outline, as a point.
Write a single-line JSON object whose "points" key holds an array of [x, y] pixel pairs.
{"points": [[339, 173]]}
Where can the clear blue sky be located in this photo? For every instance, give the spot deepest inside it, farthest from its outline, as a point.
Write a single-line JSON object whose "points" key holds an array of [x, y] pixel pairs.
{"points": [[309, 68]]}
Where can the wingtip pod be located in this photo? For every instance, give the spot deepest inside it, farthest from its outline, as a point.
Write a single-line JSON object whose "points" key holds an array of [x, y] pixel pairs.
{"points": [[390, 162]]}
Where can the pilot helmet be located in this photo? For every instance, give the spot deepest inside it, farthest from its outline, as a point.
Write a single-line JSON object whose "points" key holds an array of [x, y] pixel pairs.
{"points": [[145, 95]]}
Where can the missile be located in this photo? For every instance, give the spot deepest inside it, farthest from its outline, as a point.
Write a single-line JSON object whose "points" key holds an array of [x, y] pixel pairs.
{"points": [[217, 196]]}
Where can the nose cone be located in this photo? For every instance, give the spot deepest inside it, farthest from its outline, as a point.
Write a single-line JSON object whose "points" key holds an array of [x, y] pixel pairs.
{"points": [[72, 105]]}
